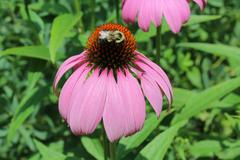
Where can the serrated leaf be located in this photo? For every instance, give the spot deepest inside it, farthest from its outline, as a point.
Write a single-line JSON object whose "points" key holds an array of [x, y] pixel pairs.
{"points": [[60, 29], [40, 52], [203, 100], [157, 148], [94, 147], [215, 49]]}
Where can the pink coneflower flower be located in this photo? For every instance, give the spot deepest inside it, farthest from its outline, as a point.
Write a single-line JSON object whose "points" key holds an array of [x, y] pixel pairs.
{"points": [[176, 12], [105, 85]]}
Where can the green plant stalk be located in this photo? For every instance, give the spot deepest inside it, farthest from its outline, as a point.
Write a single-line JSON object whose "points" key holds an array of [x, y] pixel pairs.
{"points": [[117, 10], [77, 5], [11, 12], [109, 148], [26, 2], [158, 44], [105, 144], [112, 148], [93, 20]]}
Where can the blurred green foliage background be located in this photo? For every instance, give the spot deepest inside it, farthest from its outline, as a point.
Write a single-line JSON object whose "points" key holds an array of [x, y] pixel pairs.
{"points": [[202, 61]]}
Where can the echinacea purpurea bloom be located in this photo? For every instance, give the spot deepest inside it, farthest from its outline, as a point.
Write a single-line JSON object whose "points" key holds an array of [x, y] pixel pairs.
{"points": [[176, 12], [105, 85]]}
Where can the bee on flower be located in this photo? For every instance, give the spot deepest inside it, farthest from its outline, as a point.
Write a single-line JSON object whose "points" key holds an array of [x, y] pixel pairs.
{"points": [[110, 81]]}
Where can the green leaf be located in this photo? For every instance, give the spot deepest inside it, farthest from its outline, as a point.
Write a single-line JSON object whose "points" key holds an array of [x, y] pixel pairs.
{"points": [[48, 153], [230, 153], [40, 52], [215, 49], [17, 122], [194, 19], [127, 144], [83, 38], [60, 29], [203, 100], [94, 147], [26, 101], [142, 36], [26, 105], [179, 97], [33, 78], [35, 157], [205, 148], [194, 76], [228, 102], [157, 148], [27, 138], [36, 19]]}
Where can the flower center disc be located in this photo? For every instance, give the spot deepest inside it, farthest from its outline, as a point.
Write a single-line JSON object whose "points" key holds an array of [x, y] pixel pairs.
{"points": [[111, 46]]}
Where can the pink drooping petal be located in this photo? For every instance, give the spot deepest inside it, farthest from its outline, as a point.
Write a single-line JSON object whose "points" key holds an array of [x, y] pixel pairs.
{"points": [[130, 10], [88, 104], [184, 10], [67, 90], [149, 12], [157, 69], [153, 76], [144, 16], [172, 15], [68, 64], [201, 3], [157, 13], [77, 88], [153, 93], [134, 103], [114, 112], [176, 12]]}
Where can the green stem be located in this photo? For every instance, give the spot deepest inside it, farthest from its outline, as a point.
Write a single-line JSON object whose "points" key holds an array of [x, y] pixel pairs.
{"points": [[93, 4], [109, 148], [77, 5], [105, 144], [158, 44], [11, 11], [112, 148], [26, 2], [117, 10]]}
